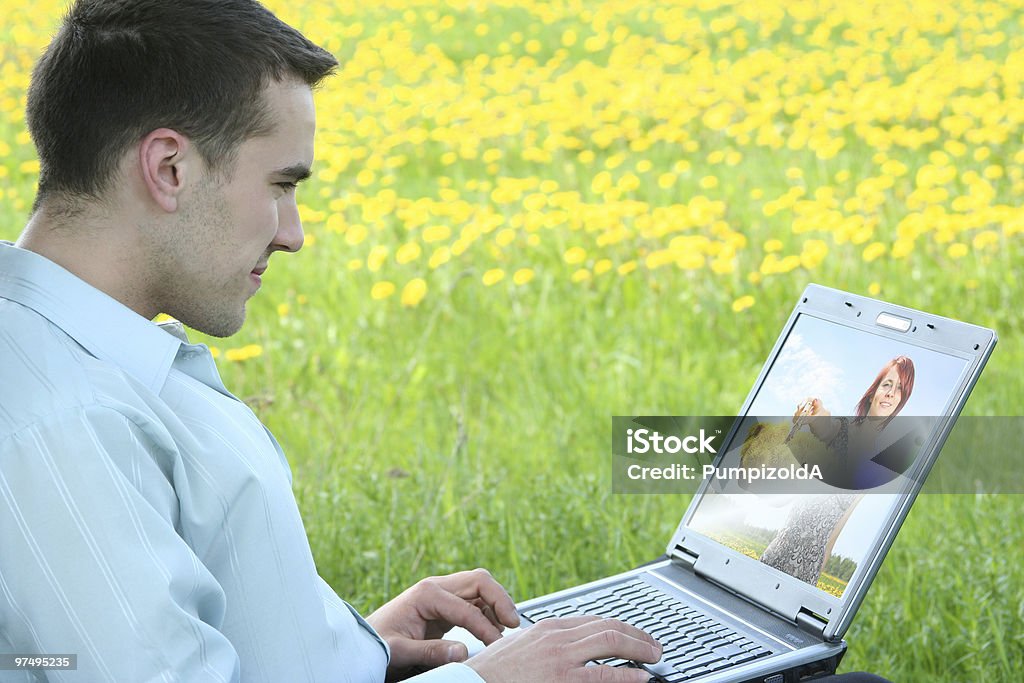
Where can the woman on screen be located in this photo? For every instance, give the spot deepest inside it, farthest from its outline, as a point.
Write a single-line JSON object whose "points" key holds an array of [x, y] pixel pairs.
{"points": [[803, 546]]}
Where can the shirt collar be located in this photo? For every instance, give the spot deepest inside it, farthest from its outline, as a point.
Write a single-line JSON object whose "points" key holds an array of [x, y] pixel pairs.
{"points": [[105, 327]]}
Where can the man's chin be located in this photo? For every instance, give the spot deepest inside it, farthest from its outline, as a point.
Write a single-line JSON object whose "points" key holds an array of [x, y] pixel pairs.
{"points": [[219, 326]]}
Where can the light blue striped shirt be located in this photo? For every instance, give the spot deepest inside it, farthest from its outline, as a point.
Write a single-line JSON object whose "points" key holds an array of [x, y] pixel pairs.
{"points": [[147, 521]]}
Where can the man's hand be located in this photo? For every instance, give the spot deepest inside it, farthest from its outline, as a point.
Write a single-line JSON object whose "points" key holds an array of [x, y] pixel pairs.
{"points": [[413, 622], [557, 651]]}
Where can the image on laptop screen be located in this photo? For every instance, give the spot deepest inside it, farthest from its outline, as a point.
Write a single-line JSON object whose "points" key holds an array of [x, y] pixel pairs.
{"points": [[871, 387]]}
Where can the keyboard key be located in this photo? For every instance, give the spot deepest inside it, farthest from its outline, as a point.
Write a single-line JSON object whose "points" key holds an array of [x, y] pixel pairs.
{"points": [[728, 651], [694, 672], [698, 661], [661, 668], [743, 658]]}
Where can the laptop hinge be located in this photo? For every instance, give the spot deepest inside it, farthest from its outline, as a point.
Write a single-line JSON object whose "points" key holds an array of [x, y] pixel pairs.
{"points": [[683, 557], [811, 623]]}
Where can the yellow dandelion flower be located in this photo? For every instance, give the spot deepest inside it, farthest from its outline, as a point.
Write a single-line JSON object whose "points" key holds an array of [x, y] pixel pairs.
{"points": [[873, 251], [813, 253], [874, 289], [375, 259], [629, 182], [601, 182], [355, 234], [413, 292], [575, 255], [244, 353], [436, 233], [282, 310], [505, 237], [493, 276], [708, 182], [773, 245], [365, 177], [723, 266], [902, 248], [957, 250], [743, 303], [666, 180], [985, 239], [408, 252], [626, 268], [522, 276], [382, 290], [440, 257], [215, 352], [602, 266], [581, 275]]}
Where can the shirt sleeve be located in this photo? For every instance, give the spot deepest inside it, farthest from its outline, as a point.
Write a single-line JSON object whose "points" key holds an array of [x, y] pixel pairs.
{"points": [[91, 562], [449, 673]]}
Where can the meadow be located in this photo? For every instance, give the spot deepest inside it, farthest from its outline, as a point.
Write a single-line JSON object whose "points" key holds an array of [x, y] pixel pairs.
{"points": [[529, 216]]}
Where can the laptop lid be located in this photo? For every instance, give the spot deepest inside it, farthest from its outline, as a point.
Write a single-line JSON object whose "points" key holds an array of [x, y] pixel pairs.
{"points": [[810, 554]]}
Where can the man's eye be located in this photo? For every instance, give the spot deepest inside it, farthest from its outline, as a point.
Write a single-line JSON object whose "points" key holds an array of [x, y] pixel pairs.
{"points": [[287, 187]]}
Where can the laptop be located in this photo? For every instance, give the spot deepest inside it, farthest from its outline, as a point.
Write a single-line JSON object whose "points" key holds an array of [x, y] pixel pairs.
{"points": [[760, 582]]}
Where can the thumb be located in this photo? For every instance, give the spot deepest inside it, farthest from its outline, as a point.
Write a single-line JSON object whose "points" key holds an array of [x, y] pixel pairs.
{"points": [[431, 653]]}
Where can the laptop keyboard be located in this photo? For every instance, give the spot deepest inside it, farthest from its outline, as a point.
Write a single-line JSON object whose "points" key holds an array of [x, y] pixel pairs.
{"points": [[694, 642]]}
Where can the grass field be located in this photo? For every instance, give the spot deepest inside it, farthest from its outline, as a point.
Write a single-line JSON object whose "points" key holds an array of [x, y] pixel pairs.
{"points": [[527, 217]]}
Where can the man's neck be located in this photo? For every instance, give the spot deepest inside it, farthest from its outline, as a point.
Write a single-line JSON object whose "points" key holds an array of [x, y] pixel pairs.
{"points": [[107, 256]]}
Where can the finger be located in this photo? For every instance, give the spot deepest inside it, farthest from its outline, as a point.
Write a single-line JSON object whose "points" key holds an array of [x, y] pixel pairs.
{"points": [[603, 623], [614, 643], [479, 583], [568, 622], [441, 604], [428, 653], [594, 639], [488, 612], [609, 674]]}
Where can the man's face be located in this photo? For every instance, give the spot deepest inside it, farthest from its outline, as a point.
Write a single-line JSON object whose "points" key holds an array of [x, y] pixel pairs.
{"points": [[887, 395], [230, 222]]}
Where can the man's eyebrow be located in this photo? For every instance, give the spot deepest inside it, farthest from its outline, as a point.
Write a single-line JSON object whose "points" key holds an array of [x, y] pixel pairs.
{"points": [[296, 172]]}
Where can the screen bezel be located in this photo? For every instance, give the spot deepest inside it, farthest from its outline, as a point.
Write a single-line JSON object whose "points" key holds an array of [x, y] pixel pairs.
{"points": [[776, 590]]}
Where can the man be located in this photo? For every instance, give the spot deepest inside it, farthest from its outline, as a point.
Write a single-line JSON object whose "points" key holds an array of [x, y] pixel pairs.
{"points": [[147, 522]]}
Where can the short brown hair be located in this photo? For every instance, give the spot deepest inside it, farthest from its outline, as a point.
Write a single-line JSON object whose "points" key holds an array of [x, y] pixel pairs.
{"points": [[118, 69]]}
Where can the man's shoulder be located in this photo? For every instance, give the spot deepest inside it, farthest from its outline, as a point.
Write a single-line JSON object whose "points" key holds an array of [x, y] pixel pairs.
{"points": [[45, 372]]}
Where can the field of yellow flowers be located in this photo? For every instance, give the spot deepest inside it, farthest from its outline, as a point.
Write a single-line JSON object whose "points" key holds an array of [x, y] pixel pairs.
{"points": [[527, 216]]}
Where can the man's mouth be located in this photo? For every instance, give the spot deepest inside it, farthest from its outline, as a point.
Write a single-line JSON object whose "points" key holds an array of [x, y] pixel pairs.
{"points": [[254, 276]]}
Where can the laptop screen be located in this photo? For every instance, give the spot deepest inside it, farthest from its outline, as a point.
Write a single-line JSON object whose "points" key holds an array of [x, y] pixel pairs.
{"points": [[876, 385]]}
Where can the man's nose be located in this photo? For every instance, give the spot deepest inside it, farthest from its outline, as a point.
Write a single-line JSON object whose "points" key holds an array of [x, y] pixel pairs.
{"points": [[289, 235]]}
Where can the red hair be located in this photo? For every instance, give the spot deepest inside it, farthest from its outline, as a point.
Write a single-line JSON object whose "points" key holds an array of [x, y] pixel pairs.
{"points": [[905, 369]]}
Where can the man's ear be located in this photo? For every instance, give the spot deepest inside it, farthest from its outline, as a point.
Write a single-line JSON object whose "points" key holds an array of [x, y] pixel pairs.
{"points": [[166, 158]]}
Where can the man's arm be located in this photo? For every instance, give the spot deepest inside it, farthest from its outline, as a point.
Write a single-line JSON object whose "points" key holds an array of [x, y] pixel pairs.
{"points": [[91, 563]]}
